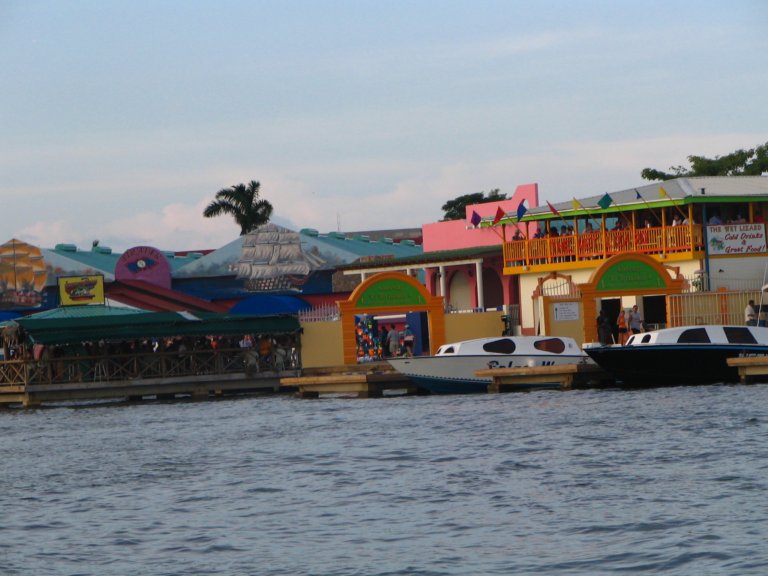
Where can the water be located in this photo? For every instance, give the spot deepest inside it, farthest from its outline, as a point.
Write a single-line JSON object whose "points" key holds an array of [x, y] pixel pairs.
{"points": [[668, 481]]}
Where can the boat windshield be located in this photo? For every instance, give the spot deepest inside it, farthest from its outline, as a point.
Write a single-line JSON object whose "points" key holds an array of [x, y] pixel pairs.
{"points": [[739, 335], [694, 336], [502, 346], [553, 345]]}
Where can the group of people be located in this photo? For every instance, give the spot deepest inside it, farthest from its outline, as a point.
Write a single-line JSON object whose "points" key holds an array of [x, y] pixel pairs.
{"points": [[378, 342], [628, 322]]}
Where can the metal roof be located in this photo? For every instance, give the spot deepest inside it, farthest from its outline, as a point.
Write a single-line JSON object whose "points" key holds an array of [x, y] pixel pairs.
{"points": [[682, 190]]}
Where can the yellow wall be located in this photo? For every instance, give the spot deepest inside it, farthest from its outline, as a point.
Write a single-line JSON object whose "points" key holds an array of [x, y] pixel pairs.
{"points": [[321, 344], [476, 325]]}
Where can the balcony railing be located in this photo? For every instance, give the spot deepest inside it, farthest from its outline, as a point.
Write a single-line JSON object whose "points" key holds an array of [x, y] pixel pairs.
{"points": [[661, 241]]}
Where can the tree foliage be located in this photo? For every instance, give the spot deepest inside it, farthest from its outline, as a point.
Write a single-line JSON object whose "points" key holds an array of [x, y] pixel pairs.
{"points": [[752, 162], [456, 209], [242, 202]]}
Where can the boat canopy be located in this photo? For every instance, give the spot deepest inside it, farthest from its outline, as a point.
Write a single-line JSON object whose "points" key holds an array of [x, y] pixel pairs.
{"points": [[152, 325]]}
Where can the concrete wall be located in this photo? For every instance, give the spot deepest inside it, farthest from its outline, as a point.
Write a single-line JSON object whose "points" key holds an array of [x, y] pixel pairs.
{"points": [[475, 325], [455, 234], [321, 344]]}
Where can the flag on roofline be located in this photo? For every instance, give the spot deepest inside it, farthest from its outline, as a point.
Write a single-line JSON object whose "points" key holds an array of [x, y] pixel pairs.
{"points": [[663, 193], [605, 201], [553, 209], [499, 215], [637, 195], [475, 218], [521, 210], [578, 205]]}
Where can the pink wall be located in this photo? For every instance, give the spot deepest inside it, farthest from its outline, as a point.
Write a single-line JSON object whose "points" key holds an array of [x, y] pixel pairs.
{"points": [[456, 234]]}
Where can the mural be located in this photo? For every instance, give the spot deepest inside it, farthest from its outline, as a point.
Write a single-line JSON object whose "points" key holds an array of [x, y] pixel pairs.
{"points": [[272, 259], [22, 275]]}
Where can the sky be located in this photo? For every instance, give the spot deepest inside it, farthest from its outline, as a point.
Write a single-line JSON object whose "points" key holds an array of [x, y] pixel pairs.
{"points": [[119, 121]]}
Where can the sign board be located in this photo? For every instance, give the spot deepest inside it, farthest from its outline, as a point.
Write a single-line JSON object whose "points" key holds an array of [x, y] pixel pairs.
{"points": [[144, 263], [630, 275], [734, 239], [81, 290], [390, 292], [566, 311]]}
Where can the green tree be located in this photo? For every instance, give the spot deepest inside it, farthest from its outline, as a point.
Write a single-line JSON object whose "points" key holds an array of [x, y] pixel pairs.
{"points": [[242, 202], [456, 209], [752, 162]]}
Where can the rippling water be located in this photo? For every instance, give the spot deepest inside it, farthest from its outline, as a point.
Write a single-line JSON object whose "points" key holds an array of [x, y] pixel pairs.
{"points": [[653, 481]]}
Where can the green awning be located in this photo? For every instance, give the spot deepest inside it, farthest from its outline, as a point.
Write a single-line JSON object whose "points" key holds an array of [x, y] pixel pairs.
{"points": [[152, 325]]}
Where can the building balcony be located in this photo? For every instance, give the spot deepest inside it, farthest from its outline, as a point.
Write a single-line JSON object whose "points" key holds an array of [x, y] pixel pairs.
{"points": [[587, 249]]}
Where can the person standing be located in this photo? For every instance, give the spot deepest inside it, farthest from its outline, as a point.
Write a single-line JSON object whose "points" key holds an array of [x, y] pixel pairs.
{"points": [[604, 329], [621, 322], [635, 320], [750, 316], [408, 340], [393, 341]]}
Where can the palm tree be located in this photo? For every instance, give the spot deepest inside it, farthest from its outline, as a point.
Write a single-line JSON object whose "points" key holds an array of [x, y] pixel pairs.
{"points": [[243, 203]]}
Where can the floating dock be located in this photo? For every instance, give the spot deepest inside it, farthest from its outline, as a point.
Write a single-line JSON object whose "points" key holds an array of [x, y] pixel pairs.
{"points": [[369, 380], [563, 377]]}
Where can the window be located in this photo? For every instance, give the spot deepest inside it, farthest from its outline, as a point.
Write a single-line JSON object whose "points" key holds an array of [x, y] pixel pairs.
{"points": [[737, 335], [694, 336], [503, 346], [554, 345], [448, 350]]}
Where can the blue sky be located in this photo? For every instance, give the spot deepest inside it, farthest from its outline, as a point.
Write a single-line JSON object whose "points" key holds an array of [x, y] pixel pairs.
{"points": [[119, 121]]}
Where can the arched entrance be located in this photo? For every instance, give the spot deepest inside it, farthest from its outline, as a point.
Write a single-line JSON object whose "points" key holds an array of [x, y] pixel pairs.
{"points": [[391, 293], [629, 274]]}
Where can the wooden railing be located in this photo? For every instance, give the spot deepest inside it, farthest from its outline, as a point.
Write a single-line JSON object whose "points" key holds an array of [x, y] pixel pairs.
{"points": [[662, 240], [142, 366]]}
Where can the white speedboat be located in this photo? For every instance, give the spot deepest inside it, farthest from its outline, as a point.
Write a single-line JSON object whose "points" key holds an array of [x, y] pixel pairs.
{"points": [[683, 355], [453, 369]]}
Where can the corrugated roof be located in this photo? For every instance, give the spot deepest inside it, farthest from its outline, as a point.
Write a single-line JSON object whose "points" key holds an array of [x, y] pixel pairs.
{"points": [[430, 257]]}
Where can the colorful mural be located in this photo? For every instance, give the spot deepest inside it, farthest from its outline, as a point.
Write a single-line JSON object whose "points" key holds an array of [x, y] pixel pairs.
{"points": [[22, 275]]}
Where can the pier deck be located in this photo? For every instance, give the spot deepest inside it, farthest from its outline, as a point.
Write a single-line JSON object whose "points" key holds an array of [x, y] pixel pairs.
{"points": [[369, 380], [751, 368], [563, 377]]}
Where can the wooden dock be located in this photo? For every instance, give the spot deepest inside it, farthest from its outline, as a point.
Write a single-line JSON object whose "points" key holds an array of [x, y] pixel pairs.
{"points": [[563, 377], [369, 380], [159, 375], [751, 368]]}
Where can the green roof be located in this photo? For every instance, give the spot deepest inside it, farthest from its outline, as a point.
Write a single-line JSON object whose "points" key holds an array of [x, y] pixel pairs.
{"points": [[72, 330]]}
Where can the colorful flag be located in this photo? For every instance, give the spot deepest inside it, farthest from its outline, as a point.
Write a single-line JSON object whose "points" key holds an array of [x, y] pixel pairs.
{"points": [[637, 195], [577, 205], [605, 201], [521, 210], [663, 193], [475, 218], [553, 209], [499, 215]]}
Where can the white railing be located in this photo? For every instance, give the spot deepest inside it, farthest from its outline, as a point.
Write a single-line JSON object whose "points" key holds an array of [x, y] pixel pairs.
{"points": [[328, 312]]}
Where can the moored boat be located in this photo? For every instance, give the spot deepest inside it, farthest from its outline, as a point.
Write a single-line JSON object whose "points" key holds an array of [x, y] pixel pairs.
{"points": [[682, 355], [452, 370]]}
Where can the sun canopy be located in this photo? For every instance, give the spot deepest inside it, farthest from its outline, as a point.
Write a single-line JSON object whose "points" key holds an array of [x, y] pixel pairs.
{"points": [[152, 325]]}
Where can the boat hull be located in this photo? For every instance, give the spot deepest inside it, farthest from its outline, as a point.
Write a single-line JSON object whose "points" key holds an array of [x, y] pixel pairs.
{"points": [[665, 365], [456, 374]]}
